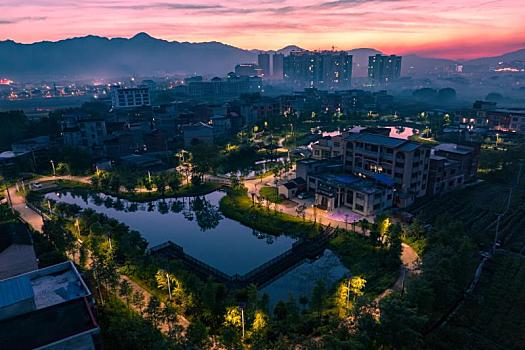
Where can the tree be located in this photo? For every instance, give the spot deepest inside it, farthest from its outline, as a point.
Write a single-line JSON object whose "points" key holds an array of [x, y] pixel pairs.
{"points": [[125, 290], [153, 311], [160, 182], [174, 181], [356, 286], [197, 335], [401, 326], [233, 318], [446, 94], [317, 300], [137, 299], [63, 169]]}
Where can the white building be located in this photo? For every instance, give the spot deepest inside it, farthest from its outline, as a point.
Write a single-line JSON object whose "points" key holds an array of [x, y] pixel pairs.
{"points": [[122, 97]]}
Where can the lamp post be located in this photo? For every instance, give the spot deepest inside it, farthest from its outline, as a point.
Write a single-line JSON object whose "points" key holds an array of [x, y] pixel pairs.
{"points": [[169, 284], [53, 166]]}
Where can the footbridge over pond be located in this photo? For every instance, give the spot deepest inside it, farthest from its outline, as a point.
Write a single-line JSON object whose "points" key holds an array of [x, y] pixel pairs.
{"points": [[260, 276]]}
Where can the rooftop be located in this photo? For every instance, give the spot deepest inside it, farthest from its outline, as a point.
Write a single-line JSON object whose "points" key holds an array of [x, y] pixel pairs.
{"points": [[453, 148], [377, 139], [50, 286], [348, 181]]}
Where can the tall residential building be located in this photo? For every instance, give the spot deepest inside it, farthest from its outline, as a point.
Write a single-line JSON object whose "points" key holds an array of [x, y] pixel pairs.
{"points": [[278, 68], [263, 60], [383, 69], [122, 97], [329, 69]]}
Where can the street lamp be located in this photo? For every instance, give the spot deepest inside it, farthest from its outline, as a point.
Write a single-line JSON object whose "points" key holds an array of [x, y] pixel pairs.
{"points": [[53, 166]]}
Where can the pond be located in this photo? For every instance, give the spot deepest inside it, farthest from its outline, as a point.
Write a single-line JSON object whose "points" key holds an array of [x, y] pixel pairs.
{"points": [[196, 224]]}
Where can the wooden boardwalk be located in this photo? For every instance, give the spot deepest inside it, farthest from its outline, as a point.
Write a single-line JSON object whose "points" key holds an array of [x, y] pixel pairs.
{"points": [[260, 276]]}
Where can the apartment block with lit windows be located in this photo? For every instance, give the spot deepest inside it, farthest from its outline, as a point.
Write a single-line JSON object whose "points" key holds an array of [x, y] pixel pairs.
{"points": [[403, 161]]}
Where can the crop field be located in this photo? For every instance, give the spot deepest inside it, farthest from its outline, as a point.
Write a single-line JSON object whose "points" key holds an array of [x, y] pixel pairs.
{"points": [[491, 318], [477, 207]]}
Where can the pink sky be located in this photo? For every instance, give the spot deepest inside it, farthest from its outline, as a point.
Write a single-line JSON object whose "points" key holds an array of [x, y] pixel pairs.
{"points": [[442, 28]]}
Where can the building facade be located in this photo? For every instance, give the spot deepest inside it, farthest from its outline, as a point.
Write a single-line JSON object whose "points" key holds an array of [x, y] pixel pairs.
{"points": [[329, 69], [383, 69], [263, 61], [122, 97], [404, 162], [278, 66]]}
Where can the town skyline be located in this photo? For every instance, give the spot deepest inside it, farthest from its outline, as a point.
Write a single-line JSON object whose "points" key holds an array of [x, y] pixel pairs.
{"points": [[401, 27]]}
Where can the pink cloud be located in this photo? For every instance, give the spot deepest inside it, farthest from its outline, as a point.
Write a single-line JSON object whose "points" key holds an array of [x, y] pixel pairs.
{"points": [[447, 28]]}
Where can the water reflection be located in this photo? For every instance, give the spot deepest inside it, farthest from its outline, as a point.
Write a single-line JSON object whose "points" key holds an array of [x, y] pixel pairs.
{"points": [[195, 223]]}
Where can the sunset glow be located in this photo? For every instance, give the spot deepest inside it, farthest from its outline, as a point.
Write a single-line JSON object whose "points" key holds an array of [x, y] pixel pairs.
{"points": [[445, 28]]}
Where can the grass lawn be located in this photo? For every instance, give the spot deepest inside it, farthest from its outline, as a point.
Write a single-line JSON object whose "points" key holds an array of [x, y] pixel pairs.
{"points": [[271, 193], [239, 207]]}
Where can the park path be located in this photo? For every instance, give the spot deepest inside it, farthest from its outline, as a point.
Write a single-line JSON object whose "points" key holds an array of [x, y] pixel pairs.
{"points": [[35, 220], [409, 257]]}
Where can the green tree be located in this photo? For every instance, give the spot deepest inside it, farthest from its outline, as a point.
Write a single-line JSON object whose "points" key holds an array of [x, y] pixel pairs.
{"points": [[125, 290], [317, 300]]}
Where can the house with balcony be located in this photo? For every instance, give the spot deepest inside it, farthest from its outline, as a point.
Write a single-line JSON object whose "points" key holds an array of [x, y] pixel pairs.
{"points": [[403, 162]]}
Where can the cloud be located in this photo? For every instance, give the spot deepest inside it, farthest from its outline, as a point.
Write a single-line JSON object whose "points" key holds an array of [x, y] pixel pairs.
{"points": [[22, 19]]}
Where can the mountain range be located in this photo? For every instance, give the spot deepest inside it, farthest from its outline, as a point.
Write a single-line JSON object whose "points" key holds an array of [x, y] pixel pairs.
{"points": [[94, 57]]}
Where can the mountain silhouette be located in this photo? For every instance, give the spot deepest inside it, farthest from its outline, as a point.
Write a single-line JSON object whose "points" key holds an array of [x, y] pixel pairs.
{"points": [[93, 57]]}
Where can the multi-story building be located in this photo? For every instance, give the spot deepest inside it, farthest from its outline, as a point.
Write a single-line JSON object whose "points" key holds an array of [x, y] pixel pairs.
{"points": [[50, 308], [330, 69], [132, 97], [467, 156], [249, 70], [263, 61], [377, 156], [444, 175], [383, 69], [329, 147], [232, 86], [278, 65], [88, 133], [334, 188]]}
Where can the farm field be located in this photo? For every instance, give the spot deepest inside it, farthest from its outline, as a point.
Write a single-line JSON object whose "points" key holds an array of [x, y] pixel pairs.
{"points": [[491, 318]]}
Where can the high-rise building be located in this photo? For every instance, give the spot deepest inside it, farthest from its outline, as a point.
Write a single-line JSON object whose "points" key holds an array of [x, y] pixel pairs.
{"points": [[329, 69], [383, 69], [278, 69], [263, 59]]}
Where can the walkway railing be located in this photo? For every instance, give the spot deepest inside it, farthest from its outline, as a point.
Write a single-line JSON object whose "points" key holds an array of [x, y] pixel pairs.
{"points": [[262, 274]]}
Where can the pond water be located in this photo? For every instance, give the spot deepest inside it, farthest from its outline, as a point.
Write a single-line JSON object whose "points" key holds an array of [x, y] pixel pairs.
{"points": [[196, 224]]}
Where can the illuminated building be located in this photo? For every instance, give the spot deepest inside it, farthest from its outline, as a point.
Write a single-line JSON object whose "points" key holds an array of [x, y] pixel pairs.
{"points": [[329, 69], [278, 68], [263, 60], [381, 157], [122, 97], [383, 69], [248, 70]]}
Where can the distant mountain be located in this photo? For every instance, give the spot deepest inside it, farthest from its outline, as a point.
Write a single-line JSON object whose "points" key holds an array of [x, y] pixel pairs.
{"points": [[93, 57], [509, 57], [360, 61], [417, 65], [287, 49]]}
